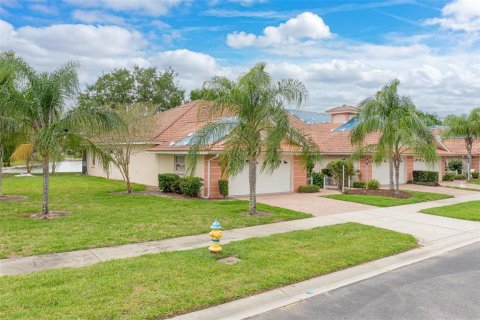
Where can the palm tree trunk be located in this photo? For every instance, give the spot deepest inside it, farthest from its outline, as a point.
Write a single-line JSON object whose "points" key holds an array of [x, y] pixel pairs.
{"points": [[397, 177], [28, 166], [1, 171], [252, 179], [45, 185], [54, 166], [469, 164], [390, 172]]}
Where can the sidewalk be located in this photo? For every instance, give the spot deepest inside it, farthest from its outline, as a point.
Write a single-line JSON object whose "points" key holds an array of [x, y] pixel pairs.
{"points": [[428, 229]]}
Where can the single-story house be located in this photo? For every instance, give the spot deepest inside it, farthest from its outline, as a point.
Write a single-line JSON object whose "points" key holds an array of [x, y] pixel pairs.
{"points": [[165, 152]]}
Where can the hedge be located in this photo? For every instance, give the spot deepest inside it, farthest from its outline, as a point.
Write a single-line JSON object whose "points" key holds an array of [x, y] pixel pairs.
{"points": [[308, 188], [166, 181], [359, 184], [428, 177], [318, 178], [460, 177], [449, 176], [373, 184], [223, 187], [475, 175], [190, 186]]}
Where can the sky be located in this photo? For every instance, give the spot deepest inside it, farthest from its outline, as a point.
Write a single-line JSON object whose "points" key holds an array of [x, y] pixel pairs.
{"points": [[344, 51]]}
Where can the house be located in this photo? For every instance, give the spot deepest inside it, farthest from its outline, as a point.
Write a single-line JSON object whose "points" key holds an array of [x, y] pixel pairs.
{"points": [[166, 151]]}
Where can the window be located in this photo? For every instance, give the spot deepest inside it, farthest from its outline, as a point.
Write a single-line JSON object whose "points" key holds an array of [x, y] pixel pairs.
{"points": [[180, 164]]}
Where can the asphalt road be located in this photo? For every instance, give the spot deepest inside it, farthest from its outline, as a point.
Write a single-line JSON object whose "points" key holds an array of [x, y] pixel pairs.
{"points": [[444, 287]]}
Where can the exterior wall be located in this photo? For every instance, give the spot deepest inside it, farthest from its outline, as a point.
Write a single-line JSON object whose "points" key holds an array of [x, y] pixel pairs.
{"points": [[340, 117], [443, 167], [476, 163], [299, 174], [215, 175], [409, 167], [144, 167], [366, 169]]}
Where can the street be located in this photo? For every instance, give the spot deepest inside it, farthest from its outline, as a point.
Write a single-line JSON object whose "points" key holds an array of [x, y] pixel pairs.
{"points": [[444, 287]]}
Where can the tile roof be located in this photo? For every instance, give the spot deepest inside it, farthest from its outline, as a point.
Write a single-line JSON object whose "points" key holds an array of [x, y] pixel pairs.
{"points": [[175, 127], [344, 108]]}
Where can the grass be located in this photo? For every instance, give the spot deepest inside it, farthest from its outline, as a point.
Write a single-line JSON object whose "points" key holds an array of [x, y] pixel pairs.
{"points": [[162, 285], [465, 210], [382, 201], [100, 218], [475, 181], [461, 188]]}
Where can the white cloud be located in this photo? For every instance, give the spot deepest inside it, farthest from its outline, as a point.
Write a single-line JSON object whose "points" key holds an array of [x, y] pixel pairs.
{"points": [[459, 15], [50, 10], [305, 26], [148, 7], [97, 16]]}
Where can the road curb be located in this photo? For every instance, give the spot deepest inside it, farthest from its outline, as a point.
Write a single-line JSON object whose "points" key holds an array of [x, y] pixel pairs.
{"points": [[280, 297]]}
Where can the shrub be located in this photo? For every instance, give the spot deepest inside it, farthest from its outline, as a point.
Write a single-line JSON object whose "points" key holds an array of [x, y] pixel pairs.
{"points": [[449, 176], [336, 169], [373, 184], [460, 177], [223, 187], [166, 180], [359, 184], [308, 188], [326, 172], [317, 178], [176, 186], [475, 175], [190, 186], [455, 165], [425, 177]]}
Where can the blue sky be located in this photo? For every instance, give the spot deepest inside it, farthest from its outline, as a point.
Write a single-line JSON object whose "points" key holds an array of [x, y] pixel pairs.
{"points": [[343, 50]]}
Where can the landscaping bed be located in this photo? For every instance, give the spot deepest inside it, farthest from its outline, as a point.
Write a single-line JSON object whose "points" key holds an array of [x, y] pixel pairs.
{"points": [[170, 283], [99, 218], [465, 210], [389, 201]]}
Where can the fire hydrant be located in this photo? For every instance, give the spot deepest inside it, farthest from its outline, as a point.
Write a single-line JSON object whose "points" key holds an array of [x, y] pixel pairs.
{"points": [[215, 235]]}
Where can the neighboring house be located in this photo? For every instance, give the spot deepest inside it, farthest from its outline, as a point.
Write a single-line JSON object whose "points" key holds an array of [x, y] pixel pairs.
{"points": [[174, 129]]}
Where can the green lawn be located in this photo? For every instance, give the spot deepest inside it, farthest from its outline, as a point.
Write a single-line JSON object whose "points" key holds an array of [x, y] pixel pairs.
{"points": [[466, 211], [100, 218], [476, 181], [382, 201], [165, 284]]}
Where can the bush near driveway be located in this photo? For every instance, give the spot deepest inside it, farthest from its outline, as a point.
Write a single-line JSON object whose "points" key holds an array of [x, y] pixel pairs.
{"points": [[162, 285], [308, 188]]}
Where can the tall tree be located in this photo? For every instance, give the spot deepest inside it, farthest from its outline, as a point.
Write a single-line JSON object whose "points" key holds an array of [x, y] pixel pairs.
{"points": [[466, 127], [395, 119], [122, 142], [148, 86], [10, 68], [259, 126], [43, 108]]}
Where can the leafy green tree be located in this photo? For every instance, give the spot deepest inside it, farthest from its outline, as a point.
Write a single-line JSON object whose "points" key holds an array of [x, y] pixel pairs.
{"points": [[430, 119], [466, 127], [260, 123], [198, 94], [52, 125], [337, 168], [121, 88], [394, 118]]}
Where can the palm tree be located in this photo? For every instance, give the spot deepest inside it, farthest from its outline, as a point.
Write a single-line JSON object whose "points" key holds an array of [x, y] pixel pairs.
{"points": [[51, 124], [260, 123], [8, 124], [400, 130], [466, 127]]}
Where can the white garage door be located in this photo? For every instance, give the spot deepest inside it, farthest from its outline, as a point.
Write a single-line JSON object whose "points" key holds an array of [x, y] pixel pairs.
{"points": [[381, 172], [276, 182]]}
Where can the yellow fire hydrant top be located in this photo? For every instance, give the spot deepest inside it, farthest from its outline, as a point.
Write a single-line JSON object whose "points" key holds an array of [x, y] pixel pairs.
{"points": [[215, 236]]}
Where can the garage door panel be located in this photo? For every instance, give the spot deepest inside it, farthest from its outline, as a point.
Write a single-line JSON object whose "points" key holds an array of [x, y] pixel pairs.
{"points": [[267, 182], [381, 172]]}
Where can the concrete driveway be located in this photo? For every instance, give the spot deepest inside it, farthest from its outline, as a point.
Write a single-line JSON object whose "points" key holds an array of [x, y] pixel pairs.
{"points": [[312, 203]]}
